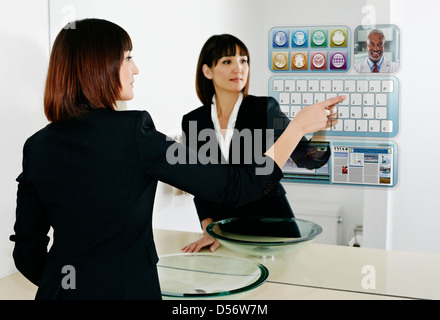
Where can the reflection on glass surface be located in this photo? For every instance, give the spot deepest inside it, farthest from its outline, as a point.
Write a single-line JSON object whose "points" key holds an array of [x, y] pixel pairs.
{"points": [[263, 236], [207, 275]]}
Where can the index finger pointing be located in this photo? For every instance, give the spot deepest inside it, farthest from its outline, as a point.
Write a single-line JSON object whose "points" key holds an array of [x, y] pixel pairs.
{"points": [[334, 100]]}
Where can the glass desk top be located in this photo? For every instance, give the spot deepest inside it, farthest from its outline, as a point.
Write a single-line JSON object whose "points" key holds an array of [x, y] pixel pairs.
{"points": [[326, 269], [197, 275]]}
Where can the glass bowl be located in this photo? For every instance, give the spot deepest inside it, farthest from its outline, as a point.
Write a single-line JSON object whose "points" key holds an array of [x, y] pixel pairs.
{"points": [[197, 275], [262, 236]]}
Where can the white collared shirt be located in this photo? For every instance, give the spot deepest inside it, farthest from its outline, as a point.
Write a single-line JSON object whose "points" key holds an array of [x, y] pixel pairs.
{"points": [[378, 64], [225, 142]]}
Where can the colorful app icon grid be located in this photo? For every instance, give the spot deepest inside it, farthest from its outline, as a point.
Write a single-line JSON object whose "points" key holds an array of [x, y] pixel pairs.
{"points": [[310, 49]]}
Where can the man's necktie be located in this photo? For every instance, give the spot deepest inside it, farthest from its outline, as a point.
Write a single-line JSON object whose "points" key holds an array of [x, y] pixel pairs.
{"points": [[375, 68]]}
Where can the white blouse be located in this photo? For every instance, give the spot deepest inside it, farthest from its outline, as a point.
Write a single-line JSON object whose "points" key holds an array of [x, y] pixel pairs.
{"points": [[225, 142]]}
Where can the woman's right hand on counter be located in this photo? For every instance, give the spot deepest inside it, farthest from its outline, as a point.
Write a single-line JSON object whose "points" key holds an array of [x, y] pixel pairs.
{"points": [[204, 241]]}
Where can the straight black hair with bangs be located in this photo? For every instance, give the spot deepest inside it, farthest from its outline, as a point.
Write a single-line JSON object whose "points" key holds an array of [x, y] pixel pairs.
{"points": [[217, 47]]}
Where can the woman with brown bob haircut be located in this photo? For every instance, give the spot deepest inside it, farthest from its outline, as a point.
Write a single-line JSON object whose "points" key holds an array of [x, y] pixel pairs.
{"points": [[91, 174], [84, 70]]}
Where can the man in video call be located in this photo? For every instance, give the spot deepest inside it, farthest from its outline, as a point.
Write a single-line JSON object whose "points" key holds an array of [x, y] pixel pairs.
{"points": [[376, 62]]}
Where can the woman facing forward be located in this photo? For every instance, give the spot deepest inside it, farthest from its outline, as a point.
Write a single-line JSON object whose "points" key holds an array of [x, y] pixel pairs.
{"points": [[91, 174], [222, 83]]}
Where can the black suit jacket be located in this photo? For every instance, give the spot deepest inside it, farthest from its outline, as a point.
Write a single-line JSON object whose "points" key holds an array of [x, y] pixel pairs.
{"points": [[256, 114], [93, 180]]}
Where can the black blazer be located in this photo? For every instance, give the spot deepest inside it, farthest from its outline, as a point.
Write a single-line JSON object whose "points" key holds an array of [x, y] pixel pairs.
{"points": [[255, 113], [93, 180]]}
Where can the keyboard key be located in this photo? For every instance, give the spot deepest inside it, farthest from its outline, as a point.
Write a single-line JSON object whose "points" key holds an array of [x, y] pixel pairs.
{"points": [[326, 85], [362, 85], [338, 126], [368, 99], [289, 85], [375, 86], [381, 113], [314, 85], [343, 112], [356, 112], [346, 102], [319, 97], [331, 95], [349, 125], [301, 85], [368, 113], [285, 110], [387, 86], [307, 99], [337, 86], [350, 86], [374, 125], [294, 110], [356, 99], [283, 98], [381, 99], [361, 125], [387, 125], [278, 85], [295, 98]]}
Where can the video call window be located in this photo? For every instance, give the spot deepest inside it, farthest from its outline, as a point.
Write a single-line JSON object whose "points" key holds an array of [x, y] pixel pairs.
{"points": [[376, 49]]}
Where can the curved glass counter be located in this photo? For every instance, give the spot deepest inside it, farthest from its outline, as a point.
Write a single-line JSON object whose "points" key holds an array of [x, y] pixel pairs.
{"points": [[196, 275], [263, 237]]}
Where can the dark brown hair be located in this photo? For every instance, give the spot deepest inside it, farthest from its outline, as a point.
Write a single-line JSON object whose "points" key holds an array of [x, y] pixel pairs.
{"points": [[84, 69], [214, 49]]}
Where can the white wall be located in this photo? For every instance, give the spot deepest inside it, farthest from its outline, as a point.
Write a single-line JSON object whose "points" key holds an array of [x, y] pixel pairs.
{"points": [[24, 55], [414, 212], [168, 36]]}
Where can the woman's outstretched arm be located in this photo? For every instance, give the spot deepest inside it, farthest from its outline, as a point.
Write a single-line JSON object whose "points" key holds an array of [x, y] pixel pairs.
{"points": [[309, 120]]}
